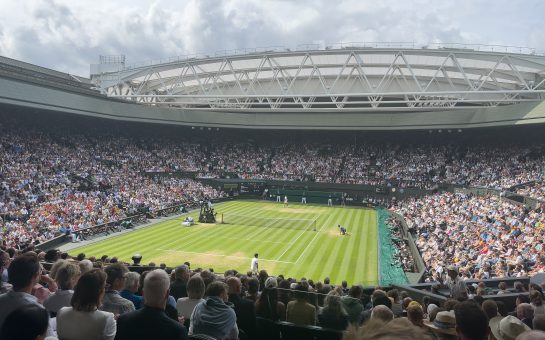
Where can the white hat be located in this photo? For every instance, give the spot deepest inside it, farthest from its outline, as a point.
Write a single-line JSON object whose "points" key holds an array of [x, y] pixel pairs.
{"points": [[507, 328]]}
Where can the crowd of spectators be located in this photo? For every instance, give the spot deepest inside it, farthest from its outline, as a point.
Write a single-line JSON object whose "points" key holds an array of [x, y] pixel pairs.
{"points": [[97, 300], [486, 236]]}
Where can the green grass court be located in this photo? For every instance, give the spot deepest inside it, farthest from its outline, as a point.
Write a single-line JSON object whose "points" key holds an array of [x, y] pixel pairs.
{"points": [[283, 237]]}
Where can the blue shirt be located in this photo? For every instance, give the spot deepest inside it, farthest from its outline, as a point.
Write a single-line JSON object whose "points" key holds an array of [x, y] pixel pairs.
{"points": [[137, 300]]}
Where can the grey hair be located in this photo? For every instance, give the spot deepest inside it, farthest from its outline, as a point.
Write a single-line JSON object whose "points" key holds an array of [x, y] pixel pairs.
{"points": [[85, 266], [156, 286], [133, 278]]}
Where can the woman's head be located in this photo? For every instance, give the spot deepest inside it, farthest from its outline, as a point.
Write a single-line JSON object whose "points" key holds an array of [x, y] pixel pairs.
{"points": [[195, 287], [67, 275], [89, 291]]}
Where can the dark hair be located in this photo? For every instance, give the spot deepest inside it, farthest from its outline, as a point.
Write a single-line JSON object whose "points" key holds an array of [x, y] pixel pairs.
{"points": [[25, 323], [88, 291], [81, 256], [471, 320], [22, 269], [115, 271], [268, 301], [301, 291], [382, 300], [216, 288], [355, 291]]}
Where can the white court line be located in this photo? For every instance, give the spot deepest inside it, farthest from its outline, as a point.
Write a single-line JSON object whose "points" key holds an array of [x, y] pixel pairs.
{"points": [[308, 245], [289, 245], [208, 254]]}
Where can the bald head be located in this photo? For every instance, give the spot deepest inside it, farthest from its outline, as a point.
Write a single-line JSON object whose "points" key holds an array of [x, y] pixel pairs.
{"points": [[235, 286], [383, 313]]}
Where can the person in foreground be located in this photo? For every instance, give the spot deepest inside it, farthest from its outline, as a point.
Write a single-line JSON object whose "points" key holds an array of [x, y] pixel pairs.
{"points": [[151, 321], [83, 320], [213, 317]]}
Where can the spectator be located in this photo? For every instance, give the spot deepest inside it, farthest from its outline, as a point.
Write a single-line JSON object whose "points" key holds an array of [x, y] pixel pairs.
{"points": [[299, 311], [382, 313], [536, 300], [113, 302], [83, 320], [213, 317], [66, 277], [195, 292], [178, 288], [508, 328], [525, 313], [131, 288], [23, 272], [268, 306], [333, 314], [85, 266], [244, 309], [352, 303], [471, 321], [151, 321], [538, 323], [28, 322]]}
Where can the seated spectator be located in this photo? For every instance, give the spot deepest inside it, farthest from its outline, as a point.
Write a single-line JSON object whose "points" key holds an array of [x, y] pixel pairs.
{"points": [[536, 300], [83, 320], [502, 286], [443, 325], [538, 323], [195, 291], [525, 313], [399, 329], [352, 303], [508, 328], [253, 289], [333, 314], [85, 266], [178, 286], [299, 311], [28, 322], [131, 287], [244, 309], [23, 272], [113, 302], [382, 313], [4, 260], [268, 306], [471, 321], [415, 314], [66, 277], [213, 317], [151, 321]]}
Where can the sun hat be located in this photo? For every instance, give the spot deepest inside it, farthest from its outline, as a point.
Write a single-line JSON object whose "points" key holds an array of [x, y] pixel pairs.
{"points": [[445, 323], [507, 328]]}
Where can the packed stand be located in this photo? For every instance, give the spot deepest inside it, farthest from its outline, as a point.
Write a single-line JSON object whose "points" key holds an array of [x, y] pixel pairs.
{"points": [[82, 299], [486, 236]]}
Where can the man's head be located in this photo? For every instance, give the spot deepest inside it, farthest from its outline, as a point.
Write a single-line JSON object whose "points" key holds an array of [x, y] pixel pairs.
{"points": [[235, 286], [525, 311], [256, 255], [356, 291], [116, 276], [182, 273], [218, 289], [452, 272], [490, 308], [415, 314], [532, 335], [24, 271], [136, 259], [383, 313], [471, 321], [156, 288]]}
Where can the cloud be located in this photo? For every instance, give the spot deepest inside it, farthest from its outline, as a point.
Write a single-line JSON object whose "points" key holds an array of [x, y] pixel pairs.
{"points": [[69, 35]]}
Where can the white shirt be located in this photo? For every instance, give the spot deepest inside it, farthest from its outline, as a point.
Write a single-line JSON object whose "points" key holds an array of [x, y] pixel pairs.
{"points": [[61, 298], [253, 266], [77, 325]]}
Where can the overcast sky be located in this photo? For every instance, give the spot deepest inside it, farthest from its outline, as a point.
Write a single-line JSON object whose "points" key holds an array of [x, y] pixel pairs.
{"points": [[68, 35]]}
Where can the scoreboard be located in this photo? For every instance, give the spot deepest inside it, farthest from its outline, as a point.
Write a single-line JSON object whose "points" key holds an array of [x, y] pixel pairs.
{"points": [[253, 188]]}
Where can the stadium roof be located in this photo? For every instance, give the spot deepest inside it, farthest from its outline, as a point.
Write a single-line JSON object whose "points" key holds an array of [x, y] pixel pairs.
{"points": [[354, 78]]}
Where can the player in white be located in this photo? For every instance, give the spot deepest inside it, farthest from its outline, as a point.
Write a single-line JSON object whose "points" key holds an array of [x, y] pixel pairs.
{"points": [[304, 199], [254, 267], [285, 201], [329, 201], [278, 198]]}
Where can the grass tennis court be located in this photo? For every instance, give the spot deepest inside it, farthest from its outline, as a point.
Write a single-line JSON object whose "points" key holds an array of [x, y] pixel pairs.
{"points": [[285, 241]]}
